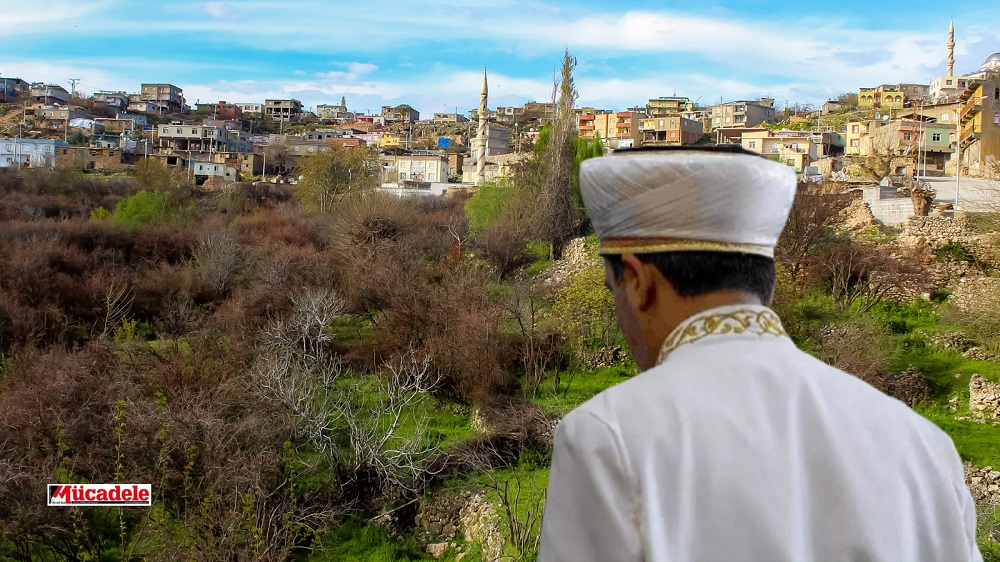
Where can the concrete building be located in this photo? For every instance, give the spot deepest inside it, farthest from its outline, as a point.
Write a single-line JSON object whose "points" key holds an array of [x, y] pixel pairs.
{"points": [[89, 158], [450, 118], [12, 88], [177, 137], [164, 97], [283, 110], [980, 123], [793, 149], [246, 108], [669, 130], [34, 153], [56, 117], [663, 106], [116, 101], [415, 168], [497, 141], [885, 96], [49, 94], [749, 113], [339, 113], [400, 114]]}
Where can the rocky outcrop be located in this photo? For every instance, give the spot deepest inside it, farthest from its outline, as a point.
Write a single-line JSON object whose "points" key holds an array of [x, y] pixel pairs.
{"points": [[984, 399], [983, 483]]}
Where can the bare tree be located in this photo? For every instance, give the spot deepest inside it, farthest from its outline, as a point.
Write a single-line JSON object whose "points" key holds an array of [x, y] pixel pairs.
{"points": [[811, 223], [539, 348], [219, 258]]}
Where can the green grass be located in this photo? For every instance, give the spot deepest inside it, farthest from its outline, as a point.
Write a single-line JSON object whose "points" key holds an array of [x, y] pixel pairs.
{"points": [[360, 541], [577, 389], [976, 442]]}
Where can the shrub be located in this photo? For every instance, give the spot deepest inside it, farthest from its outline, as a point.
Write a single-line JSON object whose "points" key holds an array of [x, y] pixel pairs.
{"points": [[147, 207]]}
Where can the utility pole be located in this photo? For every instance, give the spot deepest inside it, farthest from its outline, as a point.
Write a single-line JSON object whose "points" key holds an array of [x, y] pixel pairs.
{"points": [[73, 82], [958, 153]]}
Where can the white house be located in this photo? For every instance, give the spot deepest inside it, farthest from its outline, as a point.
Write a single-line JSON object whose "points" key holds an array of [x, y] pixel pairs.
{"points": [[36, 153]]}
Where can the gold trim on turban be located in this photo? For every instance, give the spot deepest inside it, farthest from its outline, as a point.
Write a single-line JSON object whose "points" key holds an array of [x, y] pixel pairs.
{"points": [[652, 245]]}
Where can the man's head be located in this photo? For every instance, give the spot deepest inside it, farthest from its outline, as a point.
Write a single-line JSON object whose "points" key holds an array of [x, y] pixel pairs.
{"points": [[684, 230], [655, 292]]}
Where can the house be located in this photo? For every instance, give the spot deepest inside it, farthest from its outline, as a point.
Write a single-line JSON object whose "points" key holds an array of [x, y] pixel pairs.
{"points": [[34, 153], [178, 137], [734, 135], [787, 147], [56, 116], [283, 110], [87, 158], [980, 124], [748, 113], [497, 141], [539, 113], [225, 111], [246, 108], [328, 112], [49, 94], [12, 88], [370, 121], [92, 126], [116, 101], [163, 97], [450, 118], [663, 106], [400, 114], [415, 168], [885, 96], [668, 130], [829, 106]]}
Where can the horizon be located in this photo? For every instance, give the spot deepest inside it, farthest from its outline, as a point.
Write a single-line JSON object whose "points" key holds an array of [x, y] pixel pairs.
{"points": [[430, 55]]}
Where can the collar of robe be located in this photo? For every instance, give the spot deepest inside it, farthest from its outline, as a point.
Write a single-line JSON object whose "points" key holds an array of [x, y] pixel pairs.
{"points": [[724, 321]]}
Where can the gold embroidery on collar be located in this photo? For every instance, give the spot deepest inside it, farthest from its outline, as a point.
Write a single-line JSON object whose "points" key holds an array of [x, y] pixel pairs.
{"points": [[749, 321]]}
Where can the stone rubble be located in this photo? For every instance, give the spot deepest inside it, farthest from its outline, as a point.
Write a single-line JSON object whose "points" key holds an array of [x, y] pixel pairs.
{"points": [[480, 522], [984, 399], [574, 259], [983, 483]]}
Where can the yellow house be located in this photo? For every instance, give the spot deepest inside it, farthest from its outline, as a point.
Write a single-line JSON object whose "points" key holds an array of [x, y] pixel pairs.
{"points": [[882, 97], [390, 141]]}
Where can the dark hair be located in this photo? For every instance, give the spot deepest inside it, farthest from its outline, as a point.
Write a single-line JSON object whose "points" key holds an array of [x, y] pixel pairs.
{"points": [[697, 273]]}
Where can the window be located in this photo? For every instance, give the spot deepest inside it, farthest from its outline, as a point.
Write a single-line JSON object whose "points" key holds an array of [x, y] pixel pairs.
{"points": [[179, 130], [855, 128], [996, 94], [753, 144], [996, 118], [855, 142], [728, 119], [948, 82], [402, 176], [432, 176], [194, 131], [945, 117], [906, 136], [936, 137]]}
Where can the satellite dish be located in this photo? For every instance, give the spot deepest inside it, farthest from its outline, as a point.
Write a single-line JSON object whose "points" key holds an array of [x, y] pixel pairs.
{"points": [[878, 115], [885, 117]]}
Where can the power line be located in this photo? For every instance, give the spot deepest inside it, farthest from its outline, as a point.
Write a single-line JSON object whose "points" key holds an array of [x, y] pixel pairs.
{"points": [[73, 82]]}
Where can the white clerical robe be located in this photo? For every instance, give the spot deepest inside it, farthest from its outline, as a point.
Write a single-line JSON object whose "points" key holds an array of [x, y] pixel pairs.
{"points": [[739, 446]]}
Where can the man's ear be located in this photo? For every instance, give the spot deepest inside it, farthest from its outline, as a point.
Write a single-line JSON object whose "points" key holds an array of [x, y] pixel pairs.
{"points": [[638, 282]]}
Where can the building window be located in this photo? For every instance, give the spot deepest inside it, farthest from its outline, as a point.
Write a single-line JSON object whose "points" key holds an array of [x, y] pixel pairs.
{"points": [[948, 82], [945, 116], [936, 137], [996, 118], [402, 176], [855, 128], [996, 94], [753, 144], [906, 136], [855, 142]]}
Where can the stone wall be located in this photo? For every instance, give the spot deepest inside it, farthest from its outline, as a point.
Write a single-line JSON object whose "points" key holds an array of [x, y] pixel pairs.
{"points": [[467, 513], [984, 399], [574, 259], [936, 230], [983, 483]]}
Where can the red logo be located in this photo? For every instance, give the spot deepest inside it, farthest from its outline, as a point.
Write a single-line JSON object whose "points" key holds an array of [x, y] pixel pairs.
{"points": [[120, 495]]}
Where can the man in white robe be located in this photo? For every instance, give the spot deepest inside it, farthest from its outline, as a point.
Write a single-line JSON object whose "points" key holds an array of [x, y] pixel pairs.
{"points": [[732, 444]]}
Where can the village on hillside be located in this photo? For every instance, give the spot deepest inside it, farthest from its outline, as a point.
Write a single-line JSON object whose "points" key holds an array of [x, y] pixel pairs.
{"points": [[317, 333]]}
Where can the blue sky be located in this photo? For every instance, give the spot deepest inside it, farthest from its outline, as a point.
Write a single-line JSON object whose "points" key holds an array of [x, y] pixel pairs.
{"points": [[430, 54]]}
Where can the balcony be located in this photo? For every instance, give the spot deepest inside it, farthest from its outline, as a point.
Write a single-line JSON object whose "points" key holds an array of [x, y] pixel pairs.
{"points": [[973, 106], [589, 127], [586, 118]]}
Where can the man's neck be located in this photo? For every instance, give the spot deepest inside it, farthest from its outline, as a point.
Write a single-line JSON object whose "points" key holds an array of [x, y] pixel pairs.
{"points": [[672, 314]]}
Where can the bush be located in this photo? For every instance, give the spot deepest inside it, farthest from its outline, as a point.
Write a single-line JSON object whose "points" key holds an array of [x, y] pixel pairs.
{"points": [[145, 207]]}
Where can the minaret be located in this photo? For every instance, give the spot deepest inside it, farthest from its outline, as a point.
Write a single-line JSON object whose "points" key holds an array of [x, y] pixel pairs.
{"points": [[481, 149], [951, 48]]}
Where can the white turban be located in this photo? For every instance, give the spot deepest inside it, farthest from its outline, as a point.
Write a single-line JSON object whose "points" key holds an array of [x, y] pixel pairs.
{"points": [[667, 200]]}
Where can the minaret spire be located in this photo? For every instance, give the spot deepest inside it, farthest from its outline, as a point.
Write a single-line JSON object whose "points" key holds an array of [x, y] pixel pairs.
{"points": [[481, 149], [951, 49]]}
